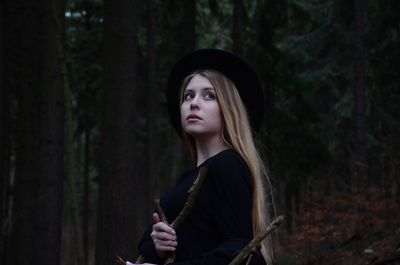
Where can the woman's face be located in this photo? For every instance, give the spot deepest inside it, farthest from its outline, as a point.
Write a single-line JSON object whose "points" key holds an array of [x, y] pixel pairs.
{"points": [[200, 111]]}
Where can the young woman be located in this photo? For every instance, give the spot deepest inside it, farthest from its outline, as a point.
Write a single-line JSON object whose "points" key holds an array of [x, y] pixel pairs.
{"points": [[215, 102]]}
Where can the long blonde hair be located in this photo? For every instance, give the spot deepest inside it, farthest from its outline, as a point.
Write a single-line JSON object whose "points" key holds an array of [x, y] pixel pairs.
{"points": [[237, 134]]}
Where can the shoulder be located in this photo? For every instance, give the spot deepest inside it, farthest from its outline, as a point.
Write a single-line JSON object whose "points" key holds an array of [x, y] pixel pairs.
{"points": [[226, 158], [229, 166]]}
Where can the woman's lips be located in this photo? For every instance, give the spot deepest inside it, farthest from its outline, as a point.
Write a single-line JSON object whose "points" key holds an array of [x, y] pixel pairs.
{"points": [[192, 117]]}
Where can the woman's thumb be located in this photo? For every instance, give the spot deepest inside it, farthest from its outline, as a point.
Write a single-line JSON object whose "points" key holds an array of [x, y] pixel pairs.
{"points": [[156, 218]]}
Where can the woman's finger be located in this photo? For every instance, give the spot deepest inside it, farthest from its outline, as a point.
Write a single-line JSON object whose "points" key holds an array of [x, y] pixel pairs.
{"points": [[165, 248], [162, 227], [165, 243], [162, 236], [156, 218]]}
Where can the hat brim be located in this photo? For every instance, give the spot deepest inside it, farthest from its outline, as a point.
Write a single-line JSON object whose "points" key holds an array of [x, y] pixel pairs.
{"points": [[233, 67]]}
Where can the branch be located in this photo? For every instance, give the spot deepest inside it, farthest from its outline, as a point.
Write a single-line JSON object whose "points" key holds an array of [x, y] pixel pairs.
{"points": [[160, 211], [120, 261], [256, 241], [171, 257], [140, 258], [193, 192]]}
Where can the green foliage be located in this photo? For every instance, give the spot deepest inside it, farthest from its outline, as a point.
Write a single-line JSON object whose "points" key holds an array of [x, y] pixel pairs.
{"points": [[83, 59], [304, 53], [84, 40], [214, 26]]}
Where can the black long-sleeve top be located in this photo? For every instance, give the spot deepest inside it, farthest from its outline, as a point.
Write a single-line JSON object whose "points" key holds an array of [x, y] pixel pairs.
{"points": [[220, 222]]}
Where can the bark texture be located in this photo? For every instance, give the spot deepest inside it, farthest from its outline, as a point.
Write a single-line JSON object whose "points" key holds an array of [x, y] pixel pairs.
{"points": [[34, 71], [116, 223]]}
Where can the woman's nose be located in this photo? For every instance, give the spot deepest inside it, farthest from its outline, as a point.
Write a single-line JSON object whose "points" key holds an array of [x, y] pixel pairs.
{"points": [[194, 103]]}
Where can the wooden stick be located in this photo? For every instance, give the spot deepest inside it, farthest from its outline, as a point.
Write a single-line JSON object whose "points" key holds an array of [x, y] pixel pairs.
{"points": [[193, 192], [160, 211], [171, 257], [256, 241], [120, 261], [139, 260], [249, 259]]}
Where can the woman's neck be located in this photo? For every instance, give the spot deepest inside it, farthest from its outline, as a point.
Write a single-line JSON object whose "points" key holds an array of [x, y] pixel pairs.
{"points": [[208, 148]]}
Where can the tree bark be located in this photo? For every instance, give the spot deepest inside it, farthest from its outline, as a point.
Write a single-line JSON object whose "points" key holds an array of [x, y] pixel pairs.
{"points": [[153, 101], [5, 141], [177, 149], [87, 7], [74, 212], [86, 194], [289, 206], [359, 160], [35, 72], [116, 219]]}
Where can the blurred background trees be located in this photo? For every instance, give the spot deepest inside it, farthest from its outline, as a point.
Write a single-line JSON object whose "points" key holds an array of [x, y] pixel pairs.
{"points": [[85, 141]]}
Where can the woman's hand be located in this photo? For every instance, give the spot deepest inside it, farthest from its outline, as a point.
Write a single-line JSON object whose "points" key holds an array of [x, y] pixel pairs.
{"points": [[128, 263], [164, 237]]}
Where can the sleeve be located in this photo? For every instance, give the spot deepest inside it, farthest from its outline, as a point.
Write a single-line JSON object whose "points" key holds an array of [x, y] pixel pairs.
{"points": [[232, 211], [147, 249], [146, 246]]}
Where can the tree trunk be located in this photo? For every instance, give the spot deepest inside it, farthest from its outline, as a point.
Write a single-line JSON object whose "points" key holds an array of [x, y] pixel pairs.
{"points": [[238, 27], [359, 160], [177, 150], [87, 133], [35, 72], [153, 101], [86, 195], [74, 212], [5, 142], [116, 219], [289, 206]]}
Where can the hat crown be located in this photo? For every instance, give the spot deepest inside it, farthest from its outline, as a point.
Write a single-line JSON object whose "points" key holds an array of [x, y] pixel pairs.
{"points": [[231, 66]]}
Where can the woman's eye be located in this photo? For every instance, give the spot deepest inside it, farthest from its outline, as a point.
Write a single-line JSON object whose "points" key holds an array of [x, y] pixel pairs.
{"points": [[188, 96], [210, 96]]}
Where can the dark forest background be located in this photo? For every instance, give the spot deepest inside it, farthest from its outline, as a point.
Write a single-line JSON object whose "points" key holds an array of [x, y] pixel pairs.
{"points": [[85, 141]]}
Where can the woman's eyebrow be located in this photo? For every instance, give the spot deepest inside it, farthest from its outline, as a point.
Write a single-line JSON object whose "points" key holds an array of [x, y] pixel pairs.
{"points": [[203, 88], [208, 88]]}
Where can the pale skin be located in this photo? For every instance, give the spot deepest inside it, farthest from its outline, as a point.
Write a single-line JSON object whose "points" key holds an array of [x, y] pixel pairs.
{"points": [[201, 118]]}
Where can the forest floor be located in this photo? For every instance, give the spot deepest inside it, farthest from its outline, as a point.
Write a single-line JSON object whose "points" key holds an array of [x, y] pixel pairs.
{"points": [[356, 229]]}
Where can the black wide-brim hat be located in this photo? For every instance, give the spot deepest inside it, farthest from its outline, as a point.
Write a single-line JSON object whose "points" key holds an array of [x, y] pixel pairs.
{"points": [[233, 67]]}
